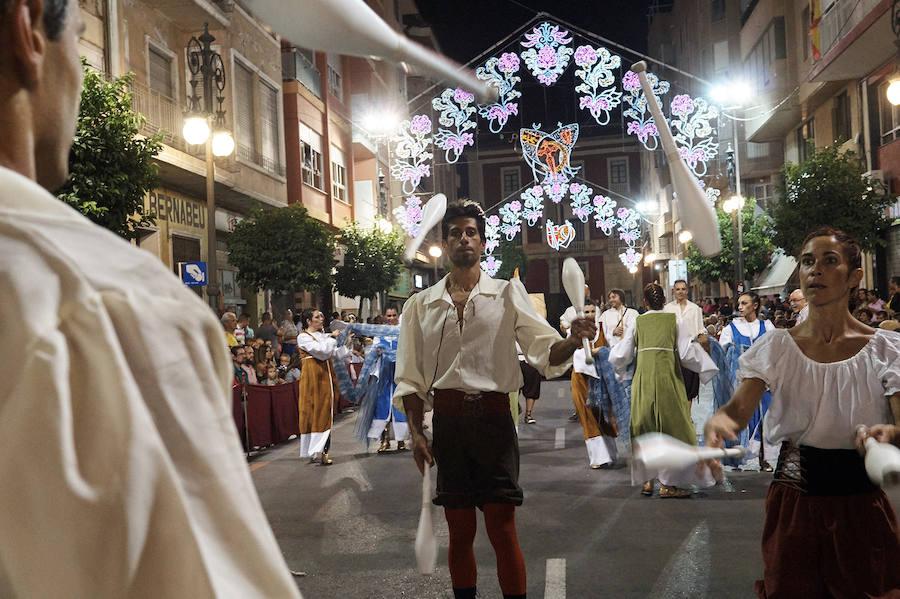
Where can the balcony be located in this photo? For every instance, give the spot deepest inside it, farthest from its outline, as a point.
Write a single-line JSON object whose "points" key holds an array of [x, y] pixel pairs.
{"points": [[297, 66], [854, 37], [162, 115], [267, 163]]}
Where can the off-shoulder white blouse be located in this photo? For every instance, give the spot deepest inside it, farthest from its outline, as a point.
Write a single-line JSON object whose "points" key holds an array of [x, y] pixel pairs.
{"points": [[820, 404]]}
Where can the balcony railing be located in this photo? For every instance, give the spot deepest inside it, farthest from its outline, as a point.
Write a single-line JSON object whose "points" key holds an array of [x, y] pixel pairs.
{"points": [[163, 115], [295, 65], [840, 19], [265, 162]]}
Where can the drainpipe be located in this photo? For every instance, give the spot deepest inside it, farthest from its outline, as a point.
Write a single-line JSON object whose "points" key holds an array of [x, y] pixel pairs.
{"points": [[111, 27]]}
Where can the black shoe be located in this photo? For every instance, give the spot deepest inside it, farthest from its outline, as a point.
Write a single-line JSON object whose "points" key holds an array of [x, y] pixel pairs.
{"points": [[529, 419], [573, 417]]}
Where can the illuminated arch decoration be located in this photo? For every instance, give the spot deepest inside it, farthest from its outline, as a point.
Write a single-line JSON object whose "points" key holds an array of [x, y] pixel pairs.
{"points": [[501, 73], [410, 215], [693, 132], [548, 54], [641, 123], [411, 155], [597, 79], [548, 154], [456, 113]]}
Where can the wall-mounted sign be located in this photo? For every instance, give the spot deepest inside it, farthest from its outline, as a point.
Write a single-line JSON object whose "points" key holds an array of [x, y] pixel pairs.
{"points": [[176, 209]]}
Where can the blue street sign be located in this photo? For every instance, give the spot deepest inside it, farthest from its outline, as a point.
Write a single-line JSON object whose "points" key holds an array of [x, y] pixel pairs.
{"points": [[193, 274]]}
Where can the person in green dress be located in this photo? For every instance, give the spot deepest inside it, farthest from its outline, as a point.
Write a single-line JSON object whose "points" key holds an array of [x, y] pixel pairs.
{"points": [[659, 402]]}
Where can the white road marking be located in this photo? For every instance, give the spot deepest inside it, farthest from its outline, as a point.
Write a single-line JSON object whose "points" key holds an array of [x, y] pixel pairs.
{"points": [[687, 573], [555, 581], [560, 441], [560, 392]]}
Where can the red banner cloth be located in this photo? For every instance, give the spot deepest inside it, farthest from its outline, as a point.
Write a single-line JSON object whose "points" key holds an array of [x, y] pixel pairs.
{"points": [[285, 411], [259, 415], [237, 410]]}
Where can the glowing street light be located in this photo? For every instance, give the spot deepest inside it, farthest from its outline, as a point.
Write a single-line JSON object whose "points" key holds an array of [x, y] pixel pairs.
{"points": [[435, 251], [649, 259], [384, 225], [685, 236], [196, 130], [893, 92]]}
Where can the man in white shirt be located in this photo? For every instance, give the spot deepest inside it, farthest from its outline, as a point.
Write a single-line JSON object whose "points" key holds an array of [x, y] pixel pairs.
{"points": [[142, 489], [457, 353], [798, 306], [617, 318], [690, 323]]}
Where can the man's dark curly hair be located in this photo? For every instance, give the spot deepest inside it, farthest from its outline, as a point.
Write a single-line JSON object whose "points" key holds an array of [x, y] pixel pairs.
{"points": [[55, 13], [463, 209]]}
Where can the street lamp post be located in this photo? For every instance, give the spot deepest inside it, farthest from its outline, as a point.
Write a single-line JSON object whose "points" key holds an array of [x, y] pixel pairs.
{"points": [[735, 205], [208, 70], [435, 252]]}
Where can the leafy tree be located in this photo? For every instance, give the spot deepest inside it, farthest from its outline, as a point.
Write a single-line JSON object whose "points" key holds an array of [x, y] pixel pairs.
{"points": [[110, 169], [829, 188], [511, 256], [758, 247], [282, 249], [372, 261]]}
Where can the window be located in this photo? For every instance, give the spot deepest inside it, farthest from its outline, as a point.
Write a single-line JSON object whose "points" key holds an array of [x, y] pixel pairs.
{"points": [[840, 117], [184, 249], [512, 181], [769, 47], [717, 10], [160, 73], [889, 115], [271, 143], [335, 76], [245, 114], [757, 150], [338, 175], [618, 174], [764, 194], [804, 32], [311, 167], [806, 138]]}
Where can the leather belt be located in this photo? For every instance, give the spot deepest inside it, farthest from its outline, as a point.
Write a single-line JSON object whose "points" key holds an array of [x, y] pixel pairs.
{"points": [[453, 402]]}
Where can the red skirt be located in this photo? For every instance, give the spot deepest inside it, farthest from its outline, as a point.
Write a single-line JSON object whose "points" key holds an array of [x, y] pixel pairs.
{"points": [[839, 547]]}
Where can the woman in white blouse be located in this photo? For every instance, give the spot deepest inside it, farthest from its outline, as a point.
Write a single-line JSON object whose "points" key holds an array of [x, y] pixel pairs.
{"points": [[318, 385], [829, 531]]}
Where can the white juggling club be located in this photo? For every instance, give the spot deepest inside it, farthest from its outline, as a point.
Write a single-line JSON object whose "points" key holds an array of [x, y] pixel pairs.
{"points": [[432, 213], [658, 451], [882, 461], [573, 283], [350, 27], [697, 214], [426, 544]]}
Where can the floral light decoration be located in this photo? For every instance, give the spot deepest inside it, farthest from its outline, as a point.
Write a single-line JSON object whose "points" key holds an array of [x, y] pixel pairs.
{"points": [[547, 55], [491, 265], [411, 155], [597, 80], [410, 215], [548, 154], [534, 205], [491, 233], [580, 203], [631, 258], [641, 123], [511, 214], [500, 73], [455, 113], [694, 133], [712, 194], [605, 214]]}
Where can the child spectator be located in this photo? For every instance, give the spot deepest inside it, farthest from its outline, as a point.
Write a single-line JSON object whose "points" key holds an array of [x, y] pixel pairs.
{"points": [[261, 371], [272, 376], [293, 371], [284, 365], [243, 333]]}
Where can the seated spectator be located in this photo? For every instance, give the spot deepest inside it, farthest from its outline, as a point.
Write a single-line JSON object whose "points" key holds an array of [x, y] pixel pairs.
{"points": [[247, 365], [284, 365], [237, 358], [229, 323], [864, 315], [272, 377], [875, 303], [261, 371], [878, 318], [294, 369]]}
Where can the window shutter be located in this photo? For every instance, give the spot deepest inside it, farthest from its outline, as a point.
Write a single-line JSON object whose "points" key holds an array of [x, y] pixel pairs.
{"points": [[243, 107]]}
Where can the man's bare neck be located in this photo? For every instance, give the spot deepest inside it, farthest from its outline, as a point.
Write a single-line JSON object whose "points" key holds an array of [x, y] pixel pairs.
{"points": [[464, 277]]}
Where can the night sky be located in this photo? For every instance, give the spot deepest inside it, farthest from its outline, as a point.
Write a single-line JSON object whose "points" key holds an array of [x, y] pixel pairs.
{"points": [[466, 28]]}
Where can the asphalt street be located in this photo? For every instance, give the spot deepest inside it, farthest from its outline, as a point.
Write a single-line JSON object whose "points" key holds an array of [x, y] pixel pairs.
{"points": [[585, 533]]}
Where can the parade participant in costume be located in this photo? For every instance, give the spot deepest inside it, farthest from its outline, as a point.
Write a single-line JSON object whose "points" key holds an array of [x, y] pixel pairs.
{"points": [[600, 430], [829, 531], [385, 414], [658, 399], [318, 385], [617, 318], [531, 385], [141, 488], [690, 323], [735, 339], [457, 353]]}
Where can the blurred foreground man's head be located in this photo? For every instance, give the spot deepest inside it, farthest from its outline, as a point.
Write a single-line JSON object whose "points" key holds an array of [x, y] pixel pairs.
{"points": [[40, 86]]}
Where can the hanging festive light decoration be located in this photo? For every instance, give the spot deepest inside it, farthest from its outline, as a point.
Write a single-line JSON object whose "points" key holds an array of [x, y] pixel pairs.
{"points": [[491, 233], [581, 201], [694, 133], [631, 258], [605, 214], [548, 54], [597, 79], [410, 215], [534, 205], [560, 236], [511, 215], [501, 73], [548, 154], [641, 123], [456, 113], [491, 265], [411, 155], [712, 194]]}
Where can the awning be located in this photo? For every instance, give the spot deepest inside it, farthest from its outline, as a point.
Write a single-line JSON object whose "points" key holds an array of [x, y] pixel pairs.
{"points": [[776, 275]]}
